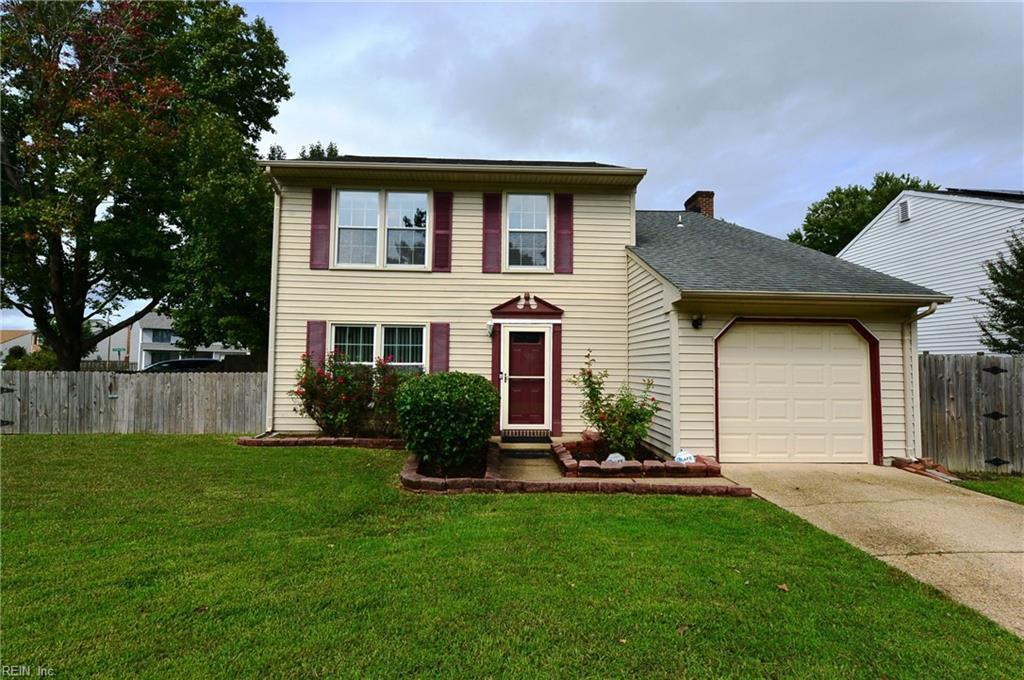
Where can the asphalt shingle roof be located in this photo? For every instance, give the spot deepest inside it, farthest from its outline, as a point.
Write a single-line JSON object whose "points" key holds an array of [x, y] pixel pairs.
{"points": [[707, 254], [347, 158]]}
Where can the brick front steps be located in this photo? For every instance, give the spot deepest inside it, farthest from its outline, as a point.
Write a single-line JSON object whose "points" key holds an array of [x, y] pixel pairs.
{"points": [[357, 442], [571, 467]]}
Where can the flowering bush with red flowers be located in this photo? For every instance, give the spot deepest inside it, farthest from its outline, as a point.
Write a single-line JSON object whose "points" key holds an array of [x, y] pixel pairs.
{"points": [[336, 395], [622, 419], [386, 381]]}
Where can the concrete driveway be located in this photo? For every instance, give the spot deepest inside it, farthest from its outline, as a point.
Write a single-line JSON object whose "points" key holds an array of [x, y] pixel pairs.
{"points": [[967, 544]]}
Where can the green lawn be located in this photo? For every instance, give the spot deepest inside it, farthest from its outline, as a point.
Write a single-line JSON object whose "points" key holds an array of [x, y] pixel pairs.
{"points": [[167, 556], [1008, 487]]}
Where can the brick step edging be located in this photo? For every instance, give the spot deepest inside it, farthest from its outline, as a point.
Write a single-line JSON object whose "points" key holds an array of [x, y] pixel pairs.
{"points": [[412, 480]]}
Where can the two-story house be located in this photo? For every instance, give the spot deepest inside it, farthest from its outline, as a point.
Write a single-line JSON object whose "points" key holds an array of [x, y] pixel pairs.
{"points": [[942, 240], [759, 350], [153, 340]]}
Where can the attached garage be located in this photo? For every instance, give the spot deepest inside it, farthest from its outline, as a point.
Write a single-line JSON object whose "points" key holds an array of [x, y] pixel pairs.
{"points": [[794, 392], [762, 351]]}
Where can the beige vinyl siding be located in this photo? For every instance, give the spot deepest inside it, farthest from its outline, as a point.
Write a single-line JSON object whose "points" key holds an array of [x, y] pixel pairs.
{"points": [[593, 297], [943, 246], [697, 384], [650, 348]]}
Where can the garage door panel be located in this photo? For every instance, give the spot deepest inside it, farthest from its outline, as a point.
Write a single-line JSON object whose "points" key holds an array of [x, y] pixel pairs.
{"points": [[793, 392]]}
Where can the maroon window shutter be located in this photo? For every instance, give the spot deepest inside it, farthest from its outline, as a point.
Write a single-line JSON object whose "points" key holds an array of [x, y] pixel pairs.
{"points": [[316, 340], [320, 229], [442, 231], [439, 334], [492, 234], [563, 233]]}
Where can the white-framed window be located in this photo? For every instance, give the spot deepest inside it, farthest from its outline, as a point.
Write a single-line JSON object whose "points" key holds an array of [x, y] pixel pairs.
{"points": [[527, 231], [406, 227], [355, 342], [357, 225], [362, 343], [362, 216]]}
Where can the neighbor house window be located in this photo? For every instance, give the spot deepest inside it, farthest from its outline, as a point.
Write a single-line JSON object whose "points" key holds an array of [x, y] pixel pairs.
{"points": [[404, 344], [162, 335], [356, 342], [406, 228], [357, 227], [527, 230]]}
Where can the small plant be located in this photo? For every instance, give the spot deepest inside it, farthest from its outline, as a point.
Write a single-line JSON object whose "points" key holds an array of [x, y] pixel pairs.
{"points": [[447, 418], [621, 419], [335, 395]]}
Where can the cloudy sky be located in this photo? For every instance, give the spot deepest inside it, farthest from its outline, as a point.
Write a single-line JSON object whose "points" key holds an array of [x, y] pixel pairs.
{"points": [[770, 106]]}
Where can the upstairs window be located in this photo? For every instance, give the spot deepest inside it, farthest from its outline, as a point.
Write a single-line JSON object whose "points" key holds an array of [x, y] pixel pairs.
{"points": [[528, 217], [406, 228], [358, 221]]}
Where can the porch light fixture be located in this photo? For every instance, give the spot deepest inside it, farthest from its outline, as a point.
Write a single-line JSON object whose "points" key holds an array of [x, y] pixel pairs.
{"points": [[490, 328], [697, 320]]}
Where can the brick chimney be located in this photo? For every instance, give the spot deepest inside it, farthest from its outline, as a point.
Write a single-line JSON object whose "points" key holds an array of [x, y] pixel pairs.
{"points": [[702, 202]]}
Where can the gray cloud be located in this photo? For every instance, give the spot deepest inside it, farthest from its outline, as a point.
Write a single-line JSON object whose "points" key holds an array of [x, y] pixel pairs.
{"points": [[768, 105]]}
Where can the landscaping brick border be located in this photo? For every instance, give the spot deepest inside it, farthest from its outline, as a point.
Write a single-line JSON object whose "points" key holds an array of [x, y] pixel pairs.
{"points": [[492, 482], [571, 467], [359, 442]]}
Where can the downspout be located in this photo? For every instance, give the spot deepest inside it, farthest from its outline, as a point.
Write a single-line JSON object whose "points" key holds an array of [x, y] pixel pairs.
{"points": [[911, 386], [271, 331]]}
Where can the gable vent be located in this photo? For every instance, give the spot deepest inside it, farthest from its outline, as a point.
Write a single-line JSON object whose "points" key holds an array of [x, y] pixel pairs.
{"points": [[904, 211]]}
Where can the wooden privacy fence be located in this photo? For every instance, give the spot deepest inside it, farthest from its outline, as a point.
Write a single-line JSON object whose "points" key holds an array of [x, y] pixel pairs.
{"points": [[972, 411], [60, 402]]}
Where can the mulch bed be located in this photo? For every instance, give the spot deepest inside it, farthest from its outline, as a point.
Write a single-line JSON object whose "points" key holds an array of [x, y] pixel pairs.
{"points": [[584, 459]]}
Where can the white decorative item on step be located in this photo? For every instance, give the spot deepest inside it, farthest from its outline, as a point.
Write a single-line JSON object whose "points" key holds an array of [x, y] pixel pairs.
{"points": [[685, 456], [616, 458]]}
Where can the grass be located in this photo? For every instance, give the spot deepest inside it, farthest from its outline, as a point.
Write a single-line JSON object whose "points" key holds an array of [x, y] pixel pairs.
{"points": [[176, 556], [1007, 487]]}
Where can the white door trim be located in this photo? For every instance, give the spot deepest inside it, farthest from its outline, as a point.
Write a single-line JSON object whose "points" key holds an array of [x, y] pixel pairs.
{"points": [[506, 329]]}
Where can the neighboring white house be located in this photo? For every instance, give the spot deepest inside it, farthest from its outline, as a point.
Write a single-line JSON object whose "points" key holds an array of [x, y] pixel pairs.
{"points": [[16, 338], [115, 347], [941, 240], [153, 340]]}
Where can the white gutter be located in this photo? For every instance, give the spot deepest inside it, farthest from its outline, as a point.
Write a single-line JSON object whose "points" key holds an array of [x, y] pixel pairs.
{"points": [[928, 312], [273, 303], [911, 391]]}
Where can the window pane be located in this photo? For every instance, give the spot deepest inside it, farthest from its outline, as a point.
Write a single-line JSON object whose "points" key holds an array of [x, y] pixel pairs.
{"points": [[528, 211], [407, 246], [404, 345], [357, 246], [408, 210], [526, 249], [356, 342], [357, 209]]}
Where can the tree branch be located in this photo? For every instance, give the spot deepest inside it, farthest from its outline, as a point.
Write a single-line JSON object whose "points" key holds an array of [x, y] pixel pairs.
{"points": [[110, 330]]}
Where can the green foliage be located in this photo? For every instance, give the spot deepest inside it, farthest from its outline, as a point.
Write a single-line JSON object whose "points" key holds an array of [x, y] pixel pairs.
{"points": [[335, 395], [1003, 330], [623, 418], [835, 220], [447, 418], [105, 107], [17, 352], [386, 383], [318, 152], [42, 359]]}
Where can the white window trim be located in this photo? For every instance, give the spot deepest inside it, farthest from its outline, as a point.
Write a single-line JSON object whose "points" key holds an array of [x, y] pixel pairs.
{"points": [[382, 229], [527, 269], [378, 339]]}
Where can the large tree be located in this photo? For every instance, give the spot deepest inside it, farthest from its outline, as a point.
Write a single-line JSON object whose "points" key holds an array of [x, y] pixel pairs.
{"points": [[1003, 330], [105, 108], [835, 220]]}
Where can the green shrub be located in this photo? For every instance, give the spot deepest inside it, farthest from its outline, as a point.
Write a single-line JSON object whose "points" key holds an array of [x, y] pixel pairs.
{"points": [[447, 418], [335, 395], [41, 360], [621, 419]]}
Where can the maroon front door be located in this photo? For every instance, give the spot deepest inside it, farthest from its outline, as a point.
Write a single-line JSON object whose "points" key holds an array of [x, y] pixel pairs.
{"points": [[525, 378]]}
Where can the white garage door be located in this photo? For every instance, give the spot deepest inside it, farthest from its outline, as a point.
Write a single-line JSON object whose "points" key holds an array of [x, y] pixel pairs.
{"points": [[793, 393]]}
